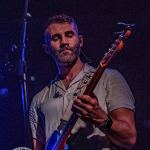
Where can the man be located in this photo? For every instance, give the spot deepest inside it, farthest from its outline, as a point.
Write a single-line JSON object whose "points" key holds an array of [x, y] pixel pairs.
{"points": [[106, 120]]}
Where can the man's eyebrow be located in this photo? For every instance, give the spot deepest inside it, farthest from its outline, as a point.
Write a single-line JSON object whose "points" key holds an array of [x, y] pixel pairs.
{"points": [[57, 34], [66, 32], [70, 31]]}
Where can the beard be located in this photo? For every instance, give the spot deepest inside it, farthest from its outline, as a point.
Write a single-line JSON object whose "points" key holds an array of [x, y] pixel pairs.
{"points": [[67, 56]]}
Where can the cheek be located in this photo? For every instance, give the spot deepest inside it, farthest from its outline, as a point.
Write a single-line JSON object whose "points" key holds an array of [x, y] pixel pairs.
{"points": [[54, 46], [75, 43], [53, 49]]}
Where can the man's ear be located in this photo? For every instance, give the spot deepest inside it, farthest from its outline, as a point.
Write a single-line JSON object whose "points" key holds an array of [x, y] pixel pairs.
{"points": [[46, 49], [81, 40]]}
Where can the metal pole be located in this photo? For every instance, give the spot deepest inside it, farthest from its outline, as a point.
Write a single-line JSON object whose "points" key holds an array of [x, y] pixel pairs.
{"points": [[23, 74]]}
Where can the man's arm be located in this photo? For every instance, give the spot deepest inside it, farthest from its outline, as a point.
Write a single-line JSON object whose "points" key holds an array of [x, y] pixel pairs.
{"points": [[122, 131], [37, 145], [37, 130]]}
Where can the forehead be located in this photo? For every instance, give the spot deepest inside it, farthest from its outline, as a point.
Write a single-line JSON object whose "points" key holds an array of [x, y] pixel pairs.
{"points": [[58, 28]]}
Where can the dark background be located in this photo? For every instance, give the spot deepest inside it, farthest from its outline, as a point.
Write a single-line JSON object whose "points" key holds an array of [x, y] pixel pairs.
{"points": [[97, 22]]}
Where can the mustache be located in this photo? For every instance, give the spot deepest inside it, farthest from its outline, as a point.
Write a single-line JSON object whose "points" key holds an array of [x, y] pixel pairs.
{"points": [[62, 48]]}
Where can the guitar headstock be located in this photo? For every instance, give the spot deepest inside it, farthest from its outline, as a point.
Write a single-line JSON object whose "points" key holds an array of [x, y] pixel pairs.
{"points": [[116, 46]]}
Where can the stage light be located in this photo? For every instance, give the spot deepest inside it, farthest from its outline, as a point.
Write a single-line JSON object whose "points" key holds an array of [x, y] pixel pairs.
{"points": [[3, 91]]}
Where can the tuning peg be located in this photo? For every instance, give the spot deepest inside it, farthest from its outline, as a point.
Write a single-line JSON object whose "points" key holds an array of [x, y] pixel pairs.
{"points": [[126, 24]]}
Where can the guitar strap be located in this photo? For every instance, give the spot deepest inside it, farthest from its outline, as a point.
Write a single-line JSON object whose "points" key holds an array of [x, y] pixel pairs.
{"points": [[79, 91]]}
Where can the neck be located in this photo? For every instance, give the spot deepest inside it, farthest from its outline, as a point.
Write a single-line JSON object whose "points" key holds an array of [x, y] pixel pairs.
{"points": [[68, 73]]}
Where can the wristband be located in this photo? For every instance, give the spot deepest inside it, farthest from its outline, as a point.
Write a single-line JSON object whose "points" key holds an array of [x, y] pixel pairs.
{"points": [[107, 125]]}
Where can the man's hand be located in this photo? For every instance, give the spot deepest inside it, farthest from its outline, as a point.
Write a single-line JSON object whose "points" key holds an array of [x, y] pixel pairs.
{"points": [[88, 109]]}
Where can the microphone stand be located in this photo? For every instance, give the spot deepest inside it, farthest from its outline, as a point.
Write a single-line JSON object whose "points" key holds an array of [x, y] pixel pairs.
{"points": [[23, 75]]}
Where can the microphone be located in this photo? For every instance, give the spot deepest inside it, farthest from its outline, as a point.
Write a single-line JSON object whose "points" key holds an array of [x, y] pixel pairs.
{"points": [[57, 94]]}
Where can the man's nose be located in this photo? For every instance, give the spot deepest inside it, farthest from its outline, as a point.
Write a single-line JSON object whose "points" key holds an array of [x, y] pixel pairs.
{"points": [[64, 42], [63, 45], [64, 39]]}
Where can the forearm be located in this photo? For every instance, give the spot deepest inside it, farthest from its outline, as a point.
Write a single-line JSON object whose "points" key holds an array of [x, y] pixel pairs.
{"points": [[121, 127], [122, 134]]}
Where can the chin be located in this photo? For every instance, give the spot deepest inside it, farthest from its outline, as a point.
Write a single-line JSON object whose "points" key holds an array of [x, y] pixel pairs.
{"points": [[67, 58], [68, 61]]}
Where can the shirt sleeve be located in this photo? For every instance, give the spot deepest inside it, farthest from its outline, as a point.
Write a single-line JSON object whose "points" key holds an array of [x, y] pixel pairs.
{"points": [[36, 122], [118, 92]]}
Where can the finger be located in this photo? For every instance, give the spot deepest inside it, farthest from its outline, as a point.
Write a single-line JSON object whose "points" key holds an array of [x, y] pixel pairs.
{"points": [[88, 107], [88, 100], [79, 110], [84, 115]]}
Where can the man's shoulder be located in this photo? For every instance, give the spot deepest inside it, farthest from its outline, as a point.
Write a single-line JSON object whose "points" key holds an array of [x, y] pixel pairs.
{"points": [[111, 71], [111, 74], [41, 93], [106, 71]]}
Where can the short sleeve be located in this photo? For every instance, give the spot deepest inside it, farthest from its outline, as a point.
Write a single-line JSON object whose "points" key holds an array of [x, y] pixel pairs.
{"points": [[118, 92], [36, 122]]}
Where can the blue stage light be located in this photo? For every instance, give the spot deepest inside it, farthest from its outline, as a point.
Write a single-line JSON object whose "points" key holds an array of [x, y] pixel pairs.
{"points": [[3, 91]]}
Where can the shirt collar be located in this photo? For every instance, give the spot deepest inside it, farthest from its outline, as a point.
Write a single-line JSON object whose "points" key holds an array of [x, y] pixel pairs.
{"points": [[87, 68]]}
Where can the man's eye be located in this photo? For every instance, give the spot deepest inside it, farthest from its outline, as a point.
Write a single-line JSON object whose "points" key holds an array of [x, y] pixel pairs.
{"points": [[55, 38], [69, 34]]}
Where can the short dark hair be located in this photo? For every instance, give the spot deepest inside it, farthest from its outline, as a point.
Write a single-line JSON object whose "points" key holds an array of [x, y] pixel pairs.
{"points": [[61, 18]]}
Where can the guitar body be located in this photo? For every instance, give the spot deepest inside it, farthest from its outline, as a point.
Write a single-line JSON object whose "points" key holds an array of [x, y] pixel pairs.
{"points": [[53, 142]]}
